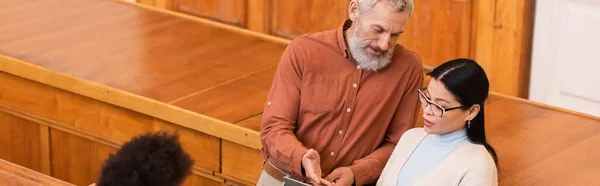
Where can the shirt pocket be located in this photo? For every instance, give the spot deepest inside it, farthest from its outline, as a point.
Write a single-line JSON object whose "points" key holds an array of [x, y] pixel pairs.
{"points": [[318, 95]]}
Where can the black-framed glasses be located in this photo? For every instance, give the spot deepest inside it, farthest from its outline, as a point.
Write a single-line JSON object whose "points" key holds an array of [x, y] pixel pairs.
{"points": [[436, 109]]}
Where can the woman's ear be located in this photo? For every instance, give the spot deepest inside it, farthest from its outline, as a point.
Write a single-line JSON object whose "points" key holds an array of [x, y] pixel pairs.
{"points": [[473, 111], [353, 12]]}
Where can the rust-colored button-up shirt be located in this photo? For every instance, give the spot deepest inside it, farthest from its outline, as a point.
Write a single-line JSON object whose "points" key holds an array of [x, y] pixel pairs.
{"points": [[321, 99]]}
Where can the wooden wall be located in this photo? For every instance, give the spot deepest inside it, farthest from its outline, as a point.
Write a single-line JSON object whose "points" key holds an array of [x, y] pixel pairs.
{"points": [[496, 33], [68, 136]]}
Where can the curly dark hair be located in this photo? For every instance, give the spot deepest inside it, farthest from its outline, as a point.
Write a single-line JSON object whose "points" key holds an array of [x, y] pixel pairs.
{"points": [[152, 159]]}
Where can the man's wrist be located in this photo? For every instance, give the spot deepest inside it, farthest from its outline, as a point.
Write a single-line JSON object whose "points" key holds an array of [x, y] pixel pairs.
{"points": [[353, 177], [297, 158], [302, 165]]}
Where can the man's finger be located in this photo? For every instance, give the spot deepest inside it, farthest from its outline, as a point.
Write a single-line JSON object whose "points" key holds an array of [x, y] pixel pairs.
{"points": [[333, 176], [325, 182]]}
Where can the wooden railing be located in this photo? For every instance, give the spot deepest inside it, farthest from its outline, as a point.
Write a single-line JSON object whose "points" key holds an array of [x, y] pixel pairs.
{"points": [[12, 174]]}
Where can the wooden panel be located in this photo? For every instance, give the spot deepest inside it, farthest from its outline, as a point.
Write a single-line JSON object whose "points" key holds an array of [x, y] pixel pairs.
{"points": [[227, 11], [294, 18], [147, 2], [20, 141], [439, 30], [234, 101], [12, 174], [163, 4], [198, 180], [234, 181], [502, 43], [77, 160], [91, 155], [45, 149], [203, 148], [258, 15], [252, 123], [111, 123], [514, 37], [483, 33], [235, 155], [65, 108]]}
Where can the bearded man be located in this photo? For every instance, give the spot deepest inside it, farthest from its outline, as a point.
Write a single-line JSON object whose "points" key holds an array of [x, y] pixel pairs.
{"points": [[341, 99]]}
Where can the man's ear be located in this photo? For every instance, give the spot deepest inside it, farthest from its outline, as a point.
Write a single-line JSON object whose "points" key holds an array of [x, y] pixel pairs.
{"points": [[353, 11]]}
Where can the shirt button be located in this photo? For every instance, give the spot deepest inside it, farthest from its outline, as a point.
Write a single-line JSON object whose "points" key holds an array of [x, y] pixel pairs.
{"points": [[348, 109], [340, 132], [332, 154], [355, 85], [358, 67], [269, 103]]}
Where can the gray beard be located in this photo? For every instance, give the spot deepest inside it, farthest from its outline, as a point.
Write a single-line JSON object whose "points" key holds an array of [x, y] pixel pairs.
{"points": [[367, 61]]}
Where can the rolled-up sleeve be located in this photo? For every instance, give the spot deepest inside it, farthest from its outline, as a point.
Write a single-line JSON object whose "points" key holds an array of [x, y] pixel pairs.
{"points": [[280, 145]]}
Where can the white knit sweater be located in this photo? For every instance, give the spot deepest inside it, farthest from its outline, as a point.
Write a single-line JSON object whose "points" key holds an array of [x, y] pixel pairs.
{"points": [[469, 164]]}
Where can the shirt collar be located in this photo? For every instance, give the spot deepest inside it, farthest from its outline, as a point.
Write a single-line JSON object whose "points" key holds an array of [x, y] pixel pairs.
{"points": [[342, 40], [452, 137]]}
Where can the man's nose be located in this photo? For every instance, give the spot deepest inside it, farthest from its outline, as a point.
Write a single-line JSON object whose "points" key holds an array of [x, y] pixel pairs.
{"points": [[384, 42]]}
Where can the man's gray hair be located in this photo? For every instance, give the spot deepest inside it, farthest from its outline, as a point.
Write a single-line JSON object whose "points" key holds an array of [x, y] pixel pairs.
{"points": [[395, 5]]}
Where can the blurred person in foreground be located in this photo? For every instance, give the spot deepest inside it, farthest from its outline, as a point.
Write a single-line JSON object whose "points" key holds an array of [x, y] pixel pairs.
{"points": [[153, 159]]}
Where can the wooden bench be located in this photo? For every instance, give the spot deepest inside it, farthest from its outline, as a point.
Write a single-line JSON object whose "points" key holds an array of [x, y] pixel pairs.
{"points": [[78, 81], [85, 76], [12, 174]]}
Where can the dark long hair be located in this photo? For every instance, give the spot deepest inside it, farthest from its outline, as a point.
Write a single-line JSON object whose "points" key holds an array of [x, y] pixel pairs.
{"points": [[467, 81]]}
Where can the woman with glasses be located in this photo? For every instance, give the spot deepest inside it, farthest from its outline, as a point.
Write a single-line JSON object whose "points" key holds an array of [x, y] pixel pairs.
{"points": [[451, 148]]}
